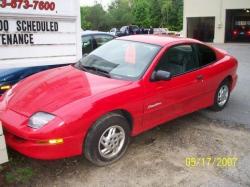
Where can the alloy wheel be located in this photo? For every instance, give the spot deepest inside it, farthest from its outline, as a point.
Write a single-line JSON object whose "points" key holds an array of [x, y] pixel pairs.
{"points": [[111, 142], [223, 95]]}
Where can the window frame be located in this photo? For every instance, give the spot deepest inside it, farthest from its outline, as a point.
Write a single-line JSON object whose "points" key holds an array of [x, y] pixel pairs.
{"points": [[101, 35], [92, 42], [195, 56]]}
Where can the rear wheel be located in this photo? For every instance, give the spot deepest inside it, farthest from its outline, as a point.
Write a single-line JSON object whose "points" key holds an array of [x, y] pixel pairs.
{"points": [[222, 96], [107, 140]]}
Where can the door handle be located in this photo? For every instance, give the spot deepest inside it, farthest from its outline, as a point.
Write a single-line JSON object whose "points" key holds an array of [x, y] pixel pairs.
{"points": [[200, 77]]}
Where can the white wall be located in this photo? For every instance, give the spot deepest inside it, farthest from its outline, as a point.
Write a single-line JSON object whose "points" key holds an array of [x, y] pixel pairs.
{"points": [[212, 8], [48, 47]]}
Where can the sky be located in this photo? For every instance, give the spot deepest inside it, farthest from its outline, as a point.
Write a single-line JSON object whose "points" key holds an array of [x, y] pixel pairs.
{"points": [[105, 3]]}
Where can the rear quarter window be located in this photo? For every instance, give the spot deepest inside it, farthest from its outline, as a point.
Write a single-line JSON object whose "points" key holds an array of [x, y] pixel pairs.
{"points": [[206, 55]]}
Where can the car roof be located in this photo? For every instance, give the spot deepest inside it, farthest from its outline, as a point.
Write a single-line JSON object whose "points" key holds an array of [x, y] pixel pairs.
{"points": [[156, 39], [94, 32]]}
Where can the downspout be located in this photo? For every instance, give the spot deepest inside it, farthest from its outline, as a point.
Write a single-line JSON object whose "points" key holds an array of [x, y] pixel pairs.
{"points": [[220, 25]]}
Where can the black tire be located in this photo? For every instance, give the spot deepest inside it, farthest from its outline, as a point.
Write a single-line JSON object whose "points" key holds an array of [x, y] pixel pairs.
{"points": [[92, 141], [216, 106]]}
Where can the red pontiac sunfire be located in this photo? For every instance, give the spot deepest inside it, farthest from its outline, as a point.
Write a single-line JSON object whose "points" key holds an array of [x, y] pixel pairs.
{"points": [[122, 89]]}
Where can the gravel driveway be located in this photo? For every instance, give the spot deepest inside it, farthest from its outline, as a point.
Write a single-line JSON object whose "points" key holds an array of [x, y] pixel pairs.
{"points": [[157, 158]]}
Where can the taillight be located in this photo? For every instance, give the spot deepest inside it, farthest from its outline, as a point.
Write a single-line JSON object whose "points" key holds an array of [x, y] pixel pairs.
{"points": [[248, 33], [235, 32]]}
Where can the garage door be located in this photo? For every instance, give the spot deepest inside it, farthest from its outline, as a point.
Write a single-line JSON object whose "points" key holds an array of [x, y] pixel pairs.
{"points": [[201, 28], [238, 25]]}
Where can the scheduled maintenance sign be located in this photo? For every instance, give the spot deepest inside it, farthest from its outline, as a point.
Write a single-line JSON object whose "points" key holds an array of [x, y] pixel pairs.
{"points": [[23, 31], [39, 32]]}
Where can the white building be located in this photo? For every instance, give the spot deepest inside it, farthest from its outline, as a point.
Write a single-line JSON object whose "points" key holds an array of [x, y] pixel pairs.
{"points": [[217, 21]]}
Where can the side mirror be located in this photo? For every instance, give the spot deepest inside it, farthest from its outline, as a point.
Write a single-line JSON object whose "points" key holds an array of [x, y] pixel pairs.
{"points": [[161, 76]]}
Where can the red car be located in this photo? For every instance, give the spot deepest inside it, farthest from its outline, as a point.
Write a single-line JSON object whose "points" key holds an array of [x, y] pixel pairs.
{"points": [[242, 32], [118, 91]]}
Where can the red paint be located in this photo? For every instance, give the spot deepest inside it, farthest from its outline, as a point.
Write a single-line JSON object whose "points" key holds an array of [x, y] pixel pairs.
{"points": [[78, 99]]}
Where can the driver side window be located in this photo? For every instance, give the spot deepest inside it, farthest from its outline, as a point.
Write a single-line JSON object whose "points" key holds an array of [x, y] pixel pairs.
{"points": [[178, 60]]}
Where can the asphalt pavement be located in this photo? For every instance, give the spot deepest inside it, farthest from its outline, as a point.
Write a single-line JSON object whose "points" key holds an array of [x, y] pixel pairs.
{"points": [[238, 108]]}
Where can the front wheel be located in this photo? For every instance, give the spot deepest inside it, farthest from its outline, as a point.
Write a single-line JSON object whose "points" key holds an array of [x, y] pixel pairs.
{"points": [[222, 96], [107, 140]]}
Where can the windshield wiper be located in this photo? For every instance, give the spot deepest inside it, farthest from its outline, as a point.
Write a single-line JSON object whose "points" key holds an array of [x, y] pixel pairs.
{"points": [[96, 70]]}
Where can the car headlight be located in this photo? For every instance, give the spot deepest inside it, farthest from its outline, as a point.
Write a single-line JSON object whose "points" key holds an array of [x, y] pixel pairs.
{"points": [[39, 119]]}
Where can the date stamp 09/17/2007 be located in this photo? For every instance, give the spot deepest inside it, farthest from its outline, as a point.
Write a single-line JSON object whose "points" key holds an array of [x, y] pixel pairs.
{"points": [[222, 162]]}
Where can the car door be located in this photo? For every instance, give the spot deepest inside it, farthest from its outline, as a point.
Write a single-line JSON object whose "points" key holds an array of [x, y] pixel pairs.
{"points": [[210, 71], [182, 94]]}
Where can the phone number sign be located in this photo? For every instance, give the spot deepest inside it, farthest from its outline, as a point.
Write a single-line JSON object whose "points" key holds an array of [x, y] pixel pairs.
{"points": [[27, 4], [61, 8]]}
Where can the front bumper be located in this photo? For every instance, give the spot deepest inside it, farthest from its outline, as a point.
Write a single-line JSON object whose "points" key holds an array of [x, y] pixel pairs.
{"points": [[35, 144], [44, 151]]}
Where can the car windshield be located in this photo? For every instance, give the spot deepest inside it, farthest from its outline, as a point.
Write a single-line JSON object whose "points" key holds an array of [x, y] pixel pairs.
{"points": [[120, 59]]}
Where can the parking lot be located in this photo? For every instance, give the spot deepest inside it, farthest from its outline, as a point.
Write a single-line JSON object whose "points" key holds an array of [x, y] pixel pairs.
{"points": [[158, 157]]}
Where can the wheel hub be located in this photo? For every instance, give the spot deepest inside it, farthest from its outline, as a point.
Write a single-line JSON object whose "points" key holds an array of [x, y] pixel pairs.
{"points": [[111, 142], [223, 95]]}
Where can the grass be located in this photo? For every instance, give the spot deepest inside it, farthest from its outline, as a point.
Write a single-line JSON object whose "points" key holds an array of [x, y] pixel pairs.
{"points": [[19, 175], [1, 168], [16, 171]]}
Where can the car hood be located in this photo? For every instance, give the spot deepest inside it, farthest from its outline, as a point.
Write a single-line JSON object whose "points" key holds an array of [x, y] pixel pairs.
{"points": [[52, 89]]}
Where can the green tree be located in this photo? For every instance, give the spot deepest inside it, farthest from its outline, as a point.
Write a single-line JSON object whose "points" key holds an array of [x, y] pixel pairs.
{"points": [[97, 17], [94, 18], [120, 13], [140, 9], [155, 15], [84, 23], [166, 7], [144, 13]]}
